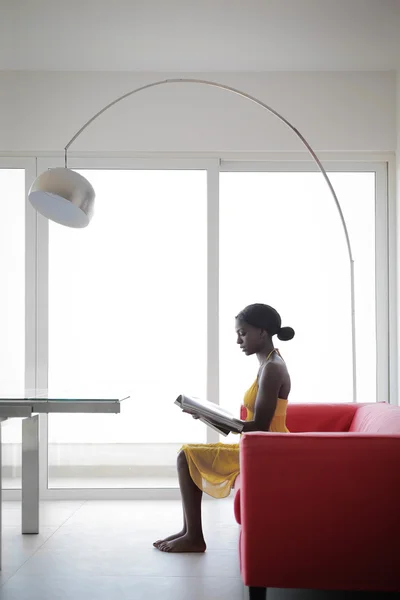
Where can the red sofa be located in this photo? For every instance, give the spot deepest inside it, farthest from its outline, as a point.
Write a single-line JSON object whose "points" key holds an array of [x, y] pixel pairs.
{"points": [[321, 510]]}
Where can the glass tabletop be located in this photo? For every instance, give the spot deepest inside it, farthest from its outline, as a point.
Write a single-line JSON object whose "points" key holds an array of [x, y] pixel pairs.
{"points": [[29, 396]]}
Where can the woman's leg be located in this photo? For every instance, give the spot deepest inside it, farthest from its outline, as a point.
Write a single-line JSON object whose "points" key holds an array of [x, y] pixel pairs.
{"points": [[174, 535], [192, 540]]}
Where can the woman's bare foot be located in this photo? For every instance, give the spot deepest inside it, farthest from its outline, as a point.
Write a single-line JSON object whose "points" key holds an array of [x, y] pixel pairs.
{"points": [[174, 536], [183, 544]]}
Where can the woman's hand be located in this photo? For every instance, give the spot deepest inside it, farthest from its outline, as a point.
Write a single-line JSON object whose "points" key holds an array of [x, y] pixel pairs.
{"points": [[188, 413]]}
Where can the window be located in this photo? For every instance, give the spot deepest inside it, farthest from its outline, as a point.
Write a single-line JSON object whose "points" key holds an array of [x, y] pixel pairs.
{"points": [[128, 315], [145, 275], [282, 243], [12, 313]]}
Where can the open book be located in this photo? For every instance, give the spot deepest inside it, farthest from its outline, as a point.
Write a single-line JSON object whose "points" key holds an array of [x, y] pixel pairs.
{"points": [[211, 414]]}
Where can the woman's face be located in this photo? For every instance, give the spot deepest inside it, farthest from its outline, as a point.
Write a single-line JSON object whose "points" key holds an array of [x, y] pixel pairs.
{"points": [[249, 338]]}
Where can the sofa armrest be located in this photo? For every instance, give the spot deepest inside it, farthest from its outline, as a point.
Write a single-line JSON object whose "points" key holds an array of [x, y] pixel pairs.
{"points": [[320, 510]]}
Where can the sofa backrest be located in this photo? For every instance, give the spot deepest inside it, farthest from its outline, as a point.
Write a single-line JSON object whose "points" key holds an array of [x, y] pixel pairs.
{"points": [[320, 417], [377, 418]]}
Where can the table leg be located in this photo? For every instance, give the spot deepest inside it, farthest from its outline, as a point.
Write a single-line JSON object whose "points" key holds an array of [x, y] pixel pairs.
{"points": [[30, 475], [1, 499]]}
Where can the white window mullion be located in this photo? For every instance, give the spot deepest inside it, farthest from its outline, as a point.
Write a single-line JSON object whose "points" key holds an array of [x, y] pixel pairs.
{"points": [[213, 291], [382, 297], [42, 346], [392, 228], [42, 324], [30, 284]]}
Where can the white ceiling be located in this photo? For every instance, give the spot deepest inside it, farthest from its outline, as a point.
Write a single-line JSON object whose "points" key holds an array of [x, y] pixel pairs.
{"points": [[200, 35]]}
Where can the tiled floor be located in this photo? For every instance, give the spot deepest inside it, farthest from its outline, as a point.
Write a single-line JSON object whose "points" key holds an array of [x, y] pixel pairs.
{"points": [[103, 550]]}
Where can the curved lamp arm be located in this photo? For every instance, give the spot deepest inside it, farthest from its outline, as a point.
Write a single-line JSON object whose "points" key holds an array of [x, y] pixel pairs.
{"points": [[81, 194], [243, 95]]}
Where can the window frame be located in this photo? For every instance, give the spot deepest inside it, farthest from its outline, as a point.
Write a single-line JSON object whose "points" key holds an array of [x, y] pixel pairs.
{"points": [[37, 277]]}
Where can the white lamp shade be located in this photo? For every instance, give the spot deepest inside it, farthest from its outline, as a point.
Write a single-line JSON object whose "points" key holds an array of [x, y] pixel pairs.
{"points": [[64, 196]]}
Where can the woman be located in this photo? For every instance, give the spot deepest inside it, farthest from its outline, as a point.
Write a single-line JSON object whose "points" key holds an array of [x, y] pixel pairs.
{"points": [[213, 468]]}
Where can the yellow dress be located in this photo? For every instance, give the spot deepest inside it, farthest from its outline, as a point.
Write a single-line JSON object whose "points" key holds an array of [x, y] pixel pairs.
{"points": [[214, 467]]}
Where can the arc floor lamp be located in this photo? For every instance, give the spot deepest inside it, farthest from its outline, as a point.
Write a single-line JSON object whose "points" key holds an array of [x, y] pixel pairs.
{"points": [[66, 197]]}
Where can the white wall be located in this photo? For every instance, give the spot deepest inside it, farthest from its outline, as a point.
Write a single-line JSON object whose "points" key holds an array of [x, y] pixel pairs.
{"points": [[353, 112]]}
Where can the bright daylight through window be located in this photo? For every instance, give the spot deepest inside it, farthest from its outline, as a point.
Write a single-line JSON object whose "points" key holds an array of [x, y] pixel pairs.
{"points": [[128, 307]]}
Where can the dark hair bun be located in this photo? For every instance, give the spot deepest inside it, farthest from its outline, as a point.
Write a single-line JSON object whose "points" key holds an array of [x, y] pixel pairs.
{"points": [[285, 334]]}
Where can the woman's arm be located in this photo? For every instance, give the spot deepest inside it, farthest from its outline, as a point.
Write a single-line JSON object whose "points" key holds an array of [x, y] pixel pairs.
{"points": [[269, 385]]}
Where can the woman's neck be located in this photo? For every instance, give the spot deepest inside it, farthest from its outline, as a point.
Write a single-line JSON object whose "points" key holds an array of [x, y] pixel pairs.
{"points": [[262, 355]]}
